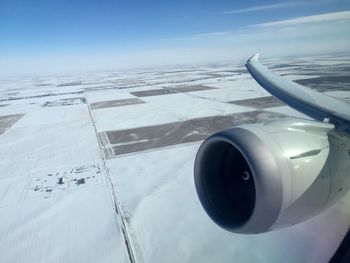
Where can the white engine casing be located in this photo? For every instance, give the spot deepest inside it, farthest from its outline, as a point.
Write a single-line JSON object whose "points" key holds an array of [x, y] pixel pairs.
{"points": [[299, 167]]}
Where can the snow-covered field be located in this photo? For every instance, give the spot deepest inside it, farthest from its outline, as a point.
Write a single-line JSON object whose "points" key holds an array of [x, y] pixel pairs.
{"points": [[99, 167]]}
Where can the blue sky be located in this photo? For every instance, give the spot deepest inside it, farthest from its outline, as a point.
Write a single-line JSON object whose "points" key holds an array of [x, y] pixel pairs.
{"points": [[54, 36]]}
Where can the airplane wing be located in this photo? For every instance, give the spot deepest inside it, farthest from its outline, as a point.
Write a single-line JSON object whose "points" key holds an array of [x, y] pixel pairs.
{"points": [[303, 99]]}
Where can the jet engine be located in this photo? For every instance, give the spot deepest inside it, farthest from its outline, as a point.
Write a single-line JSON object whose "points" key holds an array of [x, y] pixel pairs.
{"points": [[258, 177]]}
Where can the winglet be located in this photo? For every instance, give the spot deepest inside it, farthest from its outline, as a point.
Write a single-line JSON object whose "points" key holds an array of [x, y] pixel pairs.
{"points": [[254, 58]]}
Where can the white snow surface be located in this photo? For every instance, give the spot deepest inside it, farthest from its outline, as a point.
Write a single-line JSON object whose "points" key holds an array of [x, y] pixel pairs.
{"points": [[76, 224], [185, 106], [127, 117]]}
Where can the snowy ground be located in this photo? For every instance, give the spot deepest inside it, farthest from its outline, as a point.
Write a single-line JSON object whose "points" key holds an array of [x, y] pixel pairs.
{"points": [[99, 167]]}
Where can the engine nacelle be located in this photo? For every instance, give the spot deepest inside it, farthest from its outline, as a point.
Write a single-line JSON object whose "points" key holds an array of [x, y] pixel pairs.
{"points": [[258, 177]]}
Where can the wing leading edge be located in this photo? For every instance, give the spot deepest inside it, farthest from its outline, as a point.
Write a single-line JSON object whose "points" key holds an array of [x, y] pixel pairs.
{"points": [[305, 100]]}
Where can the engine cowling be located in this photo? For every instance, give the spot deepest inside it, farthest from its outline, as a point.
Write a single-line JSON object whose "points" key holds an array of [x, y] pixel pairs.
{"points": [[258, 177]]}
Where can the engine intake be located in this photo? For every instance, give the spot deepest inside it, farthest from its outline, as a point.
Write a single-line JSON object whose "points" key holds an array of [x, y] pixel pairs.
{"points": [[229, 184]]}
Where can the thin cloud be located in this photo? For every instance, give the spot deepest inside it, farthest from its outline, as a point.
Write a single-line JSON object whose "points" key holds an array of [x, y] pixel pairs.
{"points": [[263, 7], [212, 34], [328, 17], [200, 36], [287, 24]]}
